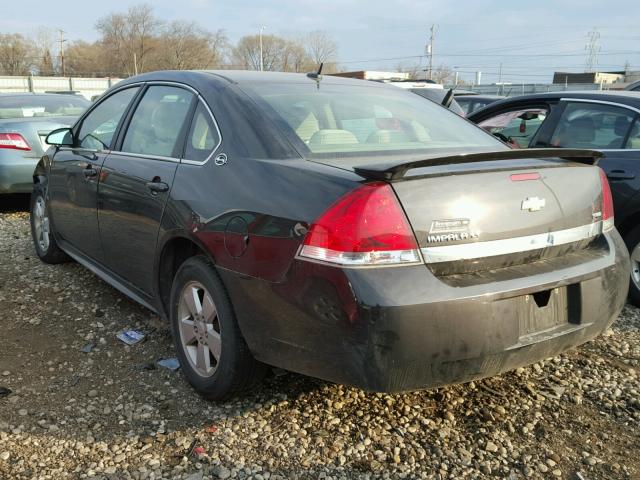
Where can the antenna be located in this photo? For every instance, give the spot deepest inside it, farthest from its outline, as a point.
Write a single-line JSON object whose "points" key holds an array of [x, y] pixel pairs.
{"points": [[593, 49]]}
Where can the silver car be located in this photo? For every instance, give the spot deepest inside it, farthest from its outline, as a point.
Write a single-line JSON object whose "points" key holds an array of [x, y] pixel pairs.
{"points": [[25, 121]]}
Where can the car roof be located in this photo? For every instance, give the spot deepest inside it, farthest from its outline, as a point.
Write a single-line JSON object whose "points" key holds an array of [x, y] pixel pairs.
{"points": [[479, 96], [620, 96], [631, 99]]}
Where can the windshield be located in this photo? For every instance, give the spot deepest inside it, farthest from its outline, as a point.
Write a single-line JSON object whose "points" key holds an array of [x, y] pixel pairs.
{"points": [[338, 120], [23, 106]]}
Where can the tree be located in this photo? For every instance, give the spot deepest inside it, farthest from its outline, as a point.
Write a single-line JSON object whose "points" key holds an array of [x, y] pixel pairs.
{"points": [[16, 54], [45, 67], [87, 59], [129, 38], [322, 49], [184, 45], [278, 54]]}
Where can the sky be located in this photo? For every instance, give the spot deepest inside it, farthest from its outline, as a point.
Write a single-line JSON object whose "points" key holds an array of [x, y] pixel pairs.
{"points": [[525, 40]]}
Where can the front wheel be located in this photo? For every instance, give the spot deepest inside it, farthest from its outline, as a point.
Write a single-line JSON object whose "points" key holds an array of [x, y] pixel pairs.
{"points": [[632, 240], [212, 352], [43, 239]]}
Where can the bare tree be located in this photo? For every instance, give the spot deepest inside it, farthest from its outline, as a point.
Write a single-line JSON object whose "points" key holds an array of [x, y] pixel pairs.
{"points": [[279, 54], [321, 48], [43, 44], [415, 71], [16, 54], [128, 38], [87, 59], [185, 45], [441, 74]]}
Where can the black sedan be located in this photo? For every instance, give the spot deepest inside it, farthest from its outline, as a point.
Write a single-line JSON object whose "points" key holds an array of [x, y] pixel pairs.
{"points": [[606, 121], [343, 229]]}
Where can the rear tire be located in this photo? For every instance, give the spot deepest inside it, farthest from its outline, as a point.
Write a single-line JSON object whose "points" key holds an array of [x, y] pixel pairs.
{"points": [[41, 232], [212, 352], [632, 240]]}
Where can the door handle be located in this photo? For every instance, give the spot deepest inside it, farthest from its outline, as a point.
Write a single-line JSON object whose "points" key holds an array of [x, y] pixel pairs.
{"points": [[157, 186], [620, 175], [90, 172]]}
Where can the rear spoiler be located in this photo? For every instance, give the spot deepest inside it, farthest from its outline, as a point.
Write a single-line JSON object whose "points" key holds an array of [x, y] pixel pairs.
{"points": [[396, 171]]}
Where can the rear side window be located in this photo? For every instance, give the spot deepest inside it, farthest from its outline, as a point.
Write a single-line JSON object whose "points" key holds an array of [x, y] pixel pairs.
{"points": [[157, 124], [203, 136], [592, 125], [99, 126], [517, 126]]}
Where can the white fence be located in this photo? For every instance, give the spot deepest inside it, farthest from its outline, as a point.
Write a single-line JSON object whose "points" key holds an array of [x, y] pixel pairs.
{"points": [[88, 87]]}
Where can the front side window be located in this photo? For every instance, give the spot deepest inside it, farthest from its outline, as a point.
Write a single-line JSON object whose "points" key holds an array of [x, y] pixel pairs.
{"points": [[592, 125], [99, 126], [517, 126], [156, 125], [331, 120], [202, 137]]}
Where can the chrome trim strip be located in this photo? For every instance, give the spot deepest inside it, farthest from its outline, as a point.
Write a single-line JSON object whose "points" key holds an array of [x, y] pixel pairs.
{"points": [[143, 155], [470, 251], [602, 102]]}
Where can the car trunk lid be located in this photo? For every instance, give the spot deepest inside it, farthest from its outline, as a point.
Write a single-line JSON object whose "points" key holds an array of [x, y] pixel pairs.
{"points": [[479, 215]]}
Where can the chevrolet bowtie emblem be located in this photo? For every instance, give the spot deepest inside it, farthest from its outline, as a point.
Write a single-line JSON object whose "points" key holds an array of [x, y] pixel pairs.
{"points": [[533, 204]]}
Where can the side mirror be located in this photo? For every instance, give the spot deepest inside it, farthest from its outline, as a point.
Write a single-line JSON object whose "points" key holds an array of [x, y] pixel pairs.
{"points": [[60, 137]]}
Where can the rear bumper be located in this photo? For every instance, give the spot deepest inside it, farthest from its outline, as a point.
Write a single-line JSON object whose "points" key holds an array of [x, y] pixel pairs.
{"points": [[396, 329], [16, 172]]}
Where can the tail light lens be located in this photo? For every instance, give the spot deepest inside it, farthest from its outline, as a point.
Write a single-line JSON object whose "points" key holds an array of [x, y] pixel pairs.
{"points": [[607, 203], [14, 141], [366, 226]]}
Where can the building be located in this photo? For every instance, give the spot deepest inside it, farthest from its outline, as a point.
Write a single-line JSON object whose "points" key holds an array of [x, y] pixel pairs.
{"points": [[374, 75], [604, 78]]}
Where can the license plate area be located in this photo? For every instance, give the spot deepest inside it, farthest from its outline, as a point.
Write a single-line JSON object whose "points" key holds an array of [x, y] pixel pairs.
{"points": [[542, 311]]}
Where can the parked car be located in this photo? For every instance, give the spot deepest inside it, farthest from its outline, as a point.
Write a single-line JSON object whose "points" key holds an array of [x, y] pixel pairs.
{"points": [[25, 121], [635, 86], [432, 91], [607, 121], [339, 228], [470, 102]]}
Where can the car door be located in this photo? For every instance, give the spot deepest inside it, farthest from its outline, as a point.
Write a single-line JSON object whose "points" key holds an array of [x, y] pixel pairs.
{"points": [[610, 128], [74, 174], [136, 181]]}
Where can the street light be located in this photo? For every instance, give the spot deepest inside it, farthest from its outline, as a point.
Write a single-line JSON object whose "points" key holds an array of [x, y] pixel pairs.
{"points": [[261, 57]]}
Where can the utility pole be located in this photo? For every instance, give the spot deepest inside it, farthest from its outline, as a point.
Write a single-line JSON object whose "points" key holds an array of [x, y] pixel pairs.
{"points": [[62, 40], [261, 55], [593, 49], [500, 79], [432, 37], [135, 63]]}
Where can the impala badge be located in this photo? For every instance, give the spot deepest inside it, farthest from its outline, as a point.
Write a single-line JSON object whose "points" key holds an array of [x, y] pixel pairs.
{"points": [[533, 204]]}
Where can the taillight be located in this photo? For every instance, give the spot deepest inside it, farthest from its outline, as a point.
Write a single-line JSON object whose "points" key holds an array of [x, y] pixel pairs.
{"points": [[14, 141], [366, 226], [607, 203]]}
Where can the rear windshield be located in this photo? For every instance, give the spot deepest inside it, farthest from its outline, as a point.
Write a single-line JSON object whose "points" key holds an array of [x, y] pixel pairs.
{"points": [[337, 120], [23, 106]]}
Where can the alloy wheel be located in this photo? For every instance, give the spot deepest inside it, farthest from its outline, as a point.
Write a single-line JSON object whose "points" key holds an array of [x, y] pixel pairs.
{"points": [[41, 224], [635, 266], [199, 328]]}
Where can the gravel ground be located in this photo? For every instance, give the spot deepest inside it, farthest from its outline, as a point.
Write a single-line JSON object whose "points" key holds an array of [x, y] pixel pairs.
{"points": [[113, 414]]}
